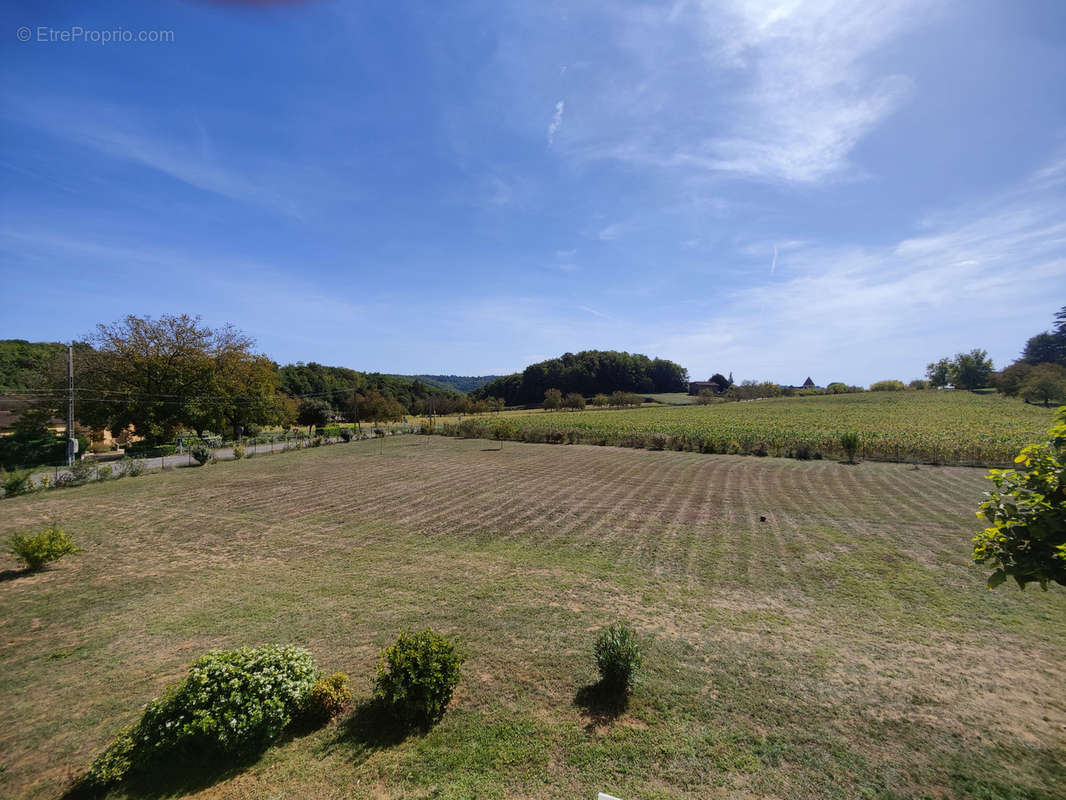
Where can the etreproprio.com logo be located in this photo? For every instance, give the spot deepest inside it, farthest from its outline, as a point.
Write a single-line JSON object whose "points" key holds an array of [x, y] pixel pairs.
{"points": [[76, 34]]}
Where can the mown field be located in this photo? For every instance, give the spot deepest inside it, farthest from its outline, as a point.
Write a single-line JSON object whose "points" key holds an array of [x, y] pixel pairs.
{"points": [[923, 426], [842, 648]]}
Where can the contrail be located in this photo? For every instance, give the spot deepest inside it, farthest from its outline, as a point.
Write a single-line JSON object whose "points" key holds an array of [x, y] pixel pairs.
{"points": [[773, 264]]}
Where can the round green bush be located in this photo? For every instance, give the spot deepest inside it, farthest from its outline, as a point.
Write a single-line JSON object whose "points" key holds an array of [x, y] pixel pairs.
{"points": [[201, 452], [36, 550], [618, 657], [327, 698], [232, 701], [417, 675]]}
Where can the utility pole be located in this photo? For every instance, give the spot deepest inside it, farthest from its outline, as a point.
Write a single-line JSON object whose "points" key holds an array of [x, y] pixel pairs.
{"points": [[72, 442]]}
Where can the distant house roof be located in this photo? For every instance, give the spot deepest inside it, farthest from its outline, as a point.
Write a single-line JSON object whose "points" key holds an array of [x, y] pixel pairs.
{"points": [[808, 384], [695, 387]]}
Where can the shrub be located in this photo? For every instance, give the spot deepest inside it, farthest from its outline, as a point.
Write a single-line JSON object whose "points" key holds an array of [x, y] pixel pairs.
{"points": [[80, 472], [417, 675], [231, 702], [238, 451], [657, 441], [850, 442], [327, 698], [104, 473], [16, 483], [918, 384], [802, 452], [347, 434], [761, 449], [318, 441], [132, 467], [36, 550], [887, 386], [1026, 512], [201, 452], [618, 657]]}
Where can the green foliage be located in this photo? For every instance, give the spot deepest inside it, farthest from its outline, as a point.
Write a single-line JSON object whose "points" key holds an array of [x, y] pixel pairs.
{"points": [[1010, 380], [201, 453], [918, 384], [574, 401], [455, 383], [212, 375], [849, 443], [1048, 347], [970, 371], [887, 386], [601, 401], [132, 467], [327, 698], [36, 550], [104, 473], [238, 451], [314, 411], [338, 386], [588, 373], [32, 442], [25, 366], [417, 675], [81, 471], [347, 434], [753, 390], [618, 657], [231, 702], [17, 482], [1026, 537], [553, 399], [1044, 383]]}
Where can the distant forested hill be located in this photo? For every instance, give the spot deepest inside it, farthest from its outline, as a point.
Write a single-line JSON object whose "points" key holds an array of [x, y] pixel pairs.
{"points": [[458, 383], [588, 372], [336, 385], [23, 364]]}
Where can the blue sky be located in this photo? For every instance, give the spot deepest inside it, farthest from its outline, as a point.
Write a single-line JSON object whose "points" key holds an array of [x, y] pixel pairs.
{"points": [[846, 190]]}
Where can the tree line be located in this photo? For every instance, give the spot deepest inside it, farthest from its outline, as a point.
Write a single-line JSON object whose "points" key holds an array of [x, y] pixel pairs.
{"points": [[588, 373], [1038, 375], [157, 377]]}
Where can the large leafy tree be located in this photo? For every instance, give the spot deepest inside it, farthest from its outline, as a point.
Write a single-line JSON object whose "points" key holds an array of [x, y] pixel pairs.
{"points": [[157, 375], [1048, 347], [971, 370], [1044, 383], [1026, 512]]}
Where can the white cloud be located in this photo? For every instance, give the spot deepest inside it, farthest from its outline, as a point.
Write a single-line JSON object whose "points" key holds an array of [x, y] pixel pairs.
{"points": [[984, 275], [557, 121], [771, 90]]}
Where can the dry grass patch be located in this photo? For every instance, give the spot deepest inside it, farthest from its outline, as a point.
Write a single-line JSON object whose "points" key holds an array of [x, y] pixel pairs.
{"points": [[842, 648]]}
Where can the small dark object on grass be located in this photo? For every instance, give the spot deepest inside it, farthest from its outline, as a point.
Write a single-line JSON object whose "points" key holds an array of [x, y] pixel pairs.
{"points": [[762, 519]]}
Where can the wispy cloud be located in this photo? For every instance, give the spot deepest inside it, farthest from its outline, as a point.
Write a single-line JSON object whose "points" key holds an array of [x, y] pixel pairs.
{"points": [[969, 276], [118, 134], [557, 121], [770, 90]]}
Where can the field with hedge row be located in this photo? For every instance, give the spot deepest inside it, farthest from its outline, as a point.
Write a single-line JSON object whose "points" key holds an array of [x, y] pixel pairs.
{"points": [[923, 426]]}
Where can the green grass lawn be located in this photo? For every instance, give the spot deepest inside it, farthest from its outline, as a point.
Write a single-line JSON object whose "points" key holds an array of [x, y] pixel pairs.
{"points": [[843, 648]]}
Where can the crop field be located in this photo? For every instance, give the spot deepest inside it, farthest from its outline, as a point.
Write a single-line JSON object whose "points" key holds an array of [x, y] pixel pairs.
{"points": [[927, 426], [811, 629]]}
